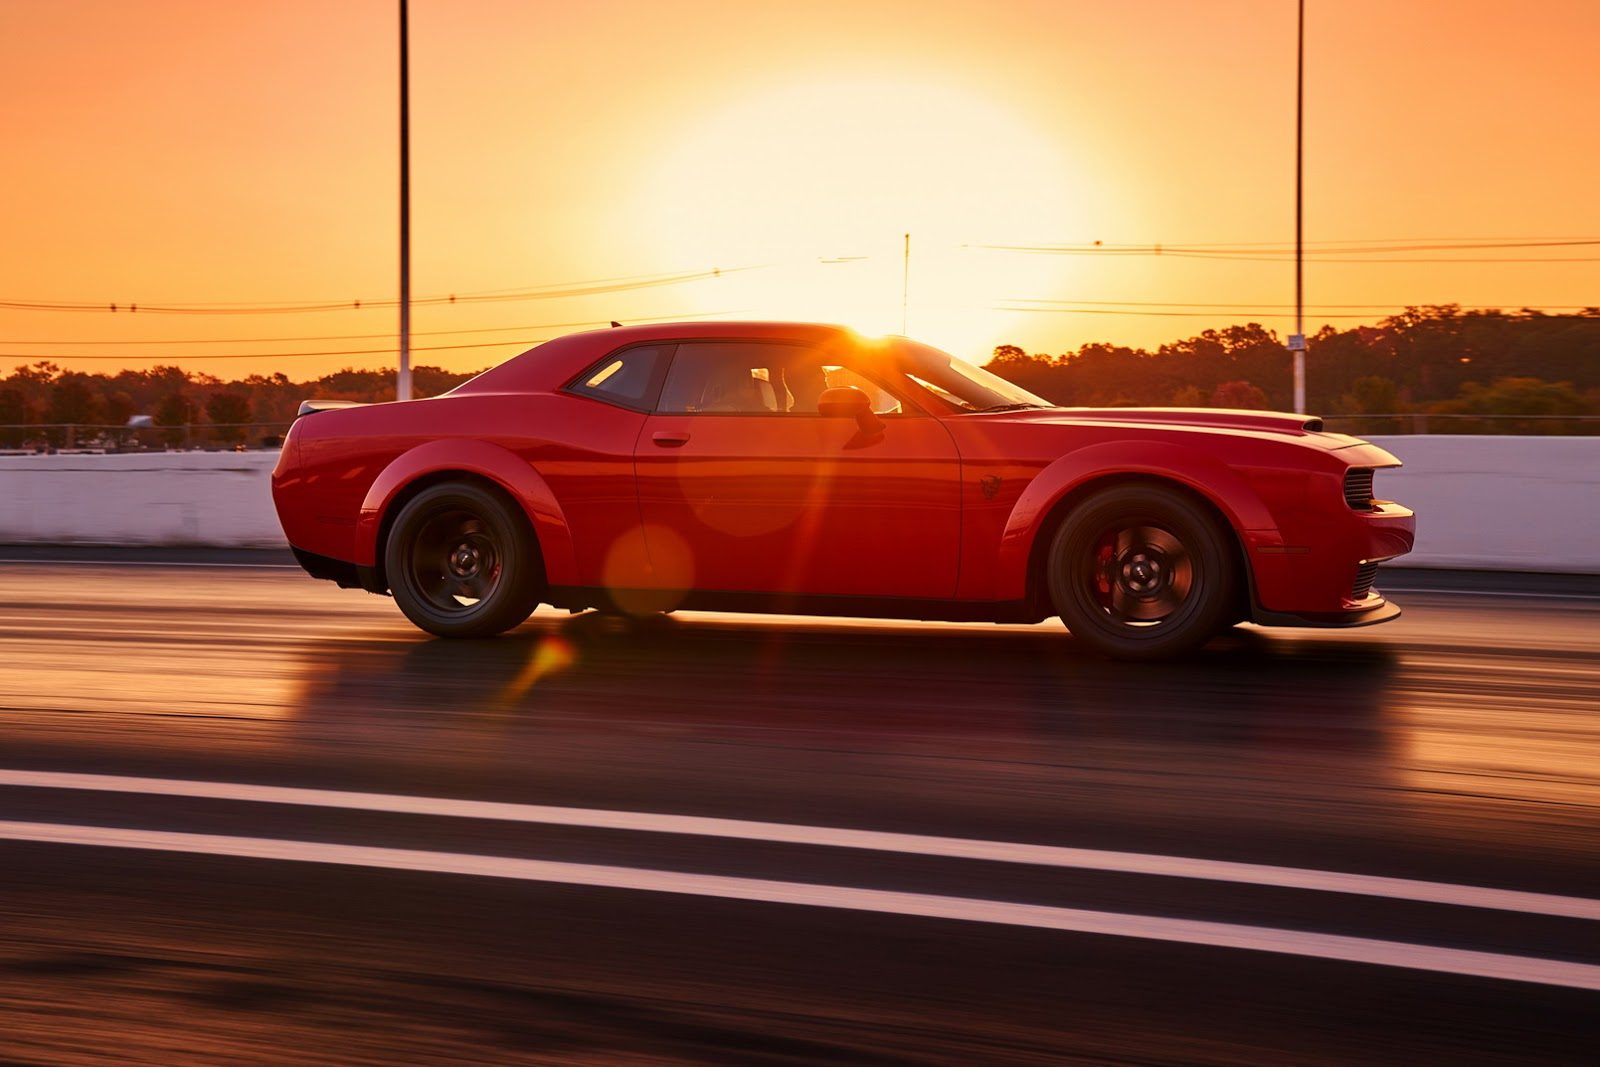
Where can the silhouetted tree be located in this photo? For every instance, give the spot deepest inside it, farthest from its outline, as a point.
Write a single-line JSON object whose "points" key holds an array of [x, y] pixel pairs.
{"points": [[175, 410], [1372, 395], [14, 413], [1514, 396], [1239, 395], [1417, 360], [226, 410], [73, 399]]}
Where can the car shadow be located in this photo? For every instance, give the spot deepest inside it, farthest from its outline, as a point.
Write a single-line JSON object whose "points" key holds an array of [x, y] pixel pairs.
{"points": [[716, 673]]}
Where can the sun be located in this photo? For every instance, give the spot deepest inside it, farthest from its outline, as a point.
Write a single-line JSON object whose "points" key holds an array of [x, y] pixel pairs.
{"points": [[819, 182]]}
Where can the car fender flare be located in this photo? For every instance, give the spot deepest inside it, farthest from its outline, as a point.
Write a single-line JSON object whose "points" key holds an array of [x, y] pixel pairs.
{"points": [[485, 460], [1208, 477]]}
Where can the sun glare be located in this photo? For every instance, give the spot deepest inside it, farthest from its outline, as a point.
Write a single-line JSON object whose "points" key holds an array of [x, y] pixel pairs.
{"points": [[818, 182]]}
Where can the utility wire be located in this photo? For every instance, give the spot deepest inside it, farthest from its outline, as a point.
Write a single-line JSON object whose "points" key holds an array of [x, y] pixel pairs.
{"points": [[1320, 259], [377, 336], [1195, 304], [1171, 314], [1269, 254], [1342, 251], [1447, 242], [1165, 314], [125, 357], [536, 293], [522, 342], [1160, 249]]}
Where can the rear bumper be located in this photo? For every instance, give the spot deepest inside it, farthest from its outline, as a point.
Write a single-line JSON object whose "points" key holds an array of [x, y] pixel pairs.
{"points": [[342, 573]]}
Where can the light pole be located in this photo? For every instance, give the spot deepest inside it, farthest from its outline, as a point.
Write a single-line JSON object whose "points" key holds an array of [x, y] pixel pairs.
{"points": [[402, 385], [905, 284], [1297, 340]]}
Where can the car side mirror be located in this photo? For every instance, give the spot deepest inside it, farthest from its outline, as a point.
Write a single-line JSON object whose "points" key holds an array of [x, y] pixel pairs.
{"points": [[848, 402]]}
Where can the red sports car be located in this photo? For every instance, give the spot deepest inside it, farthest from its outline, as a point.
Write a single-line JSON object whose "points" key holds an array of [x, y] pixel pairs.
{"points": [[781, 467]]}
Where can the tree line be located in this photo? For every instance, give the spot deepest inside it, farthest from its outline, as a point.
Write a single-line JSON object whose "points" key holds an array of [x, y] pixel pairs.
{"points": [[1425, 361], [185, 407]]}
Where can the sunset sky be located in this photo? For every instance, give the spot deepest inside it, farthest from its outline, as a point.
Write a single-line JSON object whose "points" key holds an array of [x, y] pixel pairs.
{"points": [[230, 154]]}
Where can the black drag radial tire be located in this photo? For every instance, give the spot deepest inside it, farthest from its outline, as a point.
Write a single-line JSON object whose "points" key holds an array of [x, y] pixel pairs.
{"points": [[1205, 610], [451, 517]]}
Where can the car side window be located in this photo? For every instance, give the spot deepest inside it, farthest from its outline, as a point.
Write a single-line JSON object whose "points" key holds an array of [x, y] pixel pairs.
{"points": [[630, 378], [752, 378]]}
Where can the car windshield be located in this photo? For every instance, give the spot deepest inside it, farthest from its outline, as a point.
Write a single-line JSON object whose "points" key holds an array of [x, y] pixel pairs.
{"points": [[960, 384]]}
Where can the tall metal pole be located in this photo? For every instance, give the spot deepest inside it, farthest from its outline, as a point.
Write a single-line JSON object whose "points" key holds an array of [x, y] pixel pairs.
{"points": [[1298, 342], [402, 385], [905, 285]]}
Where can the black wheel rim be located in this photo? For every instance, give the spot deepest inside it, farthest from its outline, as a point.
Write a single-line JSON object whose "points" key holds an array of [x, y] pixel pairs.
{"points": [[1139, 576], [456, 562]]}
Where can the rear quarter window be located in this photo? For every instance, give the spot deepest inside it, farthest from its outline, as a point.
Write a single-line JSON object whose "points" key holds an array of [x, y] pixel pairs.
{"points": [[630, 378]]}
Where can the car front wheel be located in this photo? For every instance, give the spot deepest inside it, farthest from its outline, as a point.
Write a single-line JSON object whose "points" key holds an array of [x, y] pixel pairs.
{"points": [[461, 562], [1142, 572]]}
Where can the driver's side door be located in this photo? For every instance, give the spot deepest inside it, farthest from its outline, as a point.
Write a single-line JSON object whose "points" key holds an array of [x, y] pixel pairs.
{"points": [[744, 487]]}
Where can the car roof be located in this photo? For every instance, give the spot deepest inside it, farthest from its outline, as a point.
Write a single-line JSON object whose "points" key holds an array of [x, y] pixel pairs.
{"points": [[552, 364]]}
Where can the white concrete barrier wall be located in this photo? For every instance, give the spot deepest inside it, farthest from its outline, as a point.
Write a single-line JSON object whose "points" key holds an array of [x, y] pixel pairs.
{"points": [[219, 499], [1497, 503]]}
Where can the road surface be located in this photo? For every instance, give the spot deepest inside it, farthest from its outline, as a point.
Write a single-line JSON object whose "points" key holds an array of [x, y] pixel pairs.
{"points": [[709, 838]]}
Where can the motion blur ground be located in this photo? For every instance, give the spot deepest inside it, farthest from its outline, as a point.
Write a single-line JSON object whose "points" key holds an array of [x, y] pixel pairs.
{"points": [[1454, 747]]}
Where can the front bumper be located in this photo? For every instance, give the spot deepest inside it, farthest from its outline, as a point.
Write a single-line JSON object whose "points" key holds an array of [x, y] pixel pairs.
{"points": [[1380, 611], [1321, 573]]}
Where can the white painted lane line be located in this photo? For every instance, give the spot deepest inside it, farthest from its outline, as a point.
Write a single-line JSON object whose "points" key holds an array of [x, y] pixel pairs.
{"points": [[1148, 927], [835, 837]]}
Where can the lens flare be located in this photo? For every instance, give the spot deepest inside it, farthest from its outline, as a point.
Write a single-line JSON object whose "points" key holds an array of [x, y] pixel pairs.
{"points": [[549, 655]]}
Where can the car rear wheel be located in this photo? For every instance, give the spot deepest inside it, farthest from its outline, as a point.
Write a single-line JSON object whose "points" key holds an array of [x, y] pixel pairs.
{"points": [[1142, 572], [462, 562]]}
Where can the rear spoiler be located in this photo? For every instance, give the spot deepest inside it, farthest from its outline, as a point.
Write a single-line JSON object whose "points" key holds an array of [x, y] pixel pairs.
{"points": [[311, 407]]}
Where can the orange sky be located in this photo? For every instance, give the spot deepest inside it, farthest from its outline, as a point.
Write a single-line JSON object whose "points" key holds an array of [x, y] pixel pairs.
{"points": [[232, 153]]}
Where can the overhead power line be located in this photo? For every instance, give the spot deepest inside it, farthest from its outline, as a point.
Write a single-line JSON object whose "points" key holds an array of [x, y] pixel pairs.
{"points": [[1355, 243], [523, 342], [374, 336], [1331, 252], [1382, 259], [1258, 304], [1257, 248], [1344, 251], [1238, 311], [534, 293], [1166, 314], [126, 356]]}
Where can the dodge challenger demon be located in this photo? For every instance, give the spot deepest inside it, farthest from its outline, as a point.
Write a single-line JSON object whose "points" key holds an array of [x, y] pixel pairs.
{"points": [[780, 467]]}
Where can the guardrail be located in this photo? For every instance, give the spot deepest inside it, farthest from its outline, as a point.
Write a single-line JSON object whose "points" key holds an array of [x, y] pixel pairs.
{"points": [[25, 438], [1505, 425]]}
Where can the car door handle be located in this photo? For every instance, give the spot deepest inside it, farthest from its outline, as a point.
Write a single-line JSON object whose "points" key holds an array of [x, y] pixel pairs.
{"points": [[670, 438]]}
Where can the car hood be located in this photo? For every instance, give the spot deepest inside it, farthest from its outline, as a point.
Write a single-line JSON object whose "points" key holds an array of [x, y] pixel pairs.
{"points": [[1281, 424], [1221, 418]]}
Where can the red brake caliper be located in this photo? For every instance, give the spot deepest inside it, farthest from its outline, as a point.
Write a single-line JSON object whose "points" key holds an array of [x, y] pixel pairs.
{"points": [[1104, 561]]}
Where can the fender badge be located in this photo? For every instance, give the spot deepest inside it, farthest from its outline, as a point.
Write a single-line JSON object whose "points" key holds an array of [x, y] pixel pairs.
{"points": [[990, 484]]}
